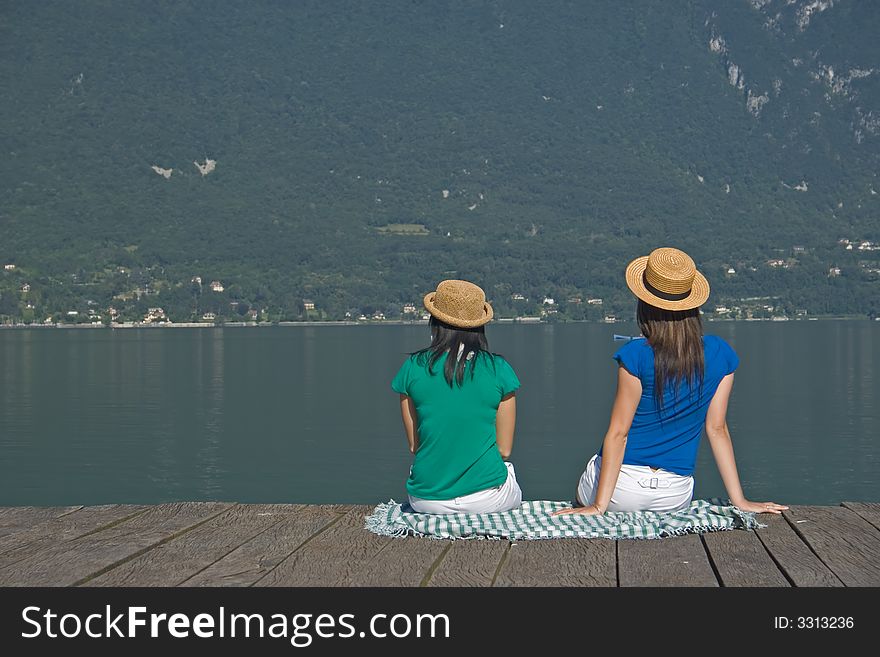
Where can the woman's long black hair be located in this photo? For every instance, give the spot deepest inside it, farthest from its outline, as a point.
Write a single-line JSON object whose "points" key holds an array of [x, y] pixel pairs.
{"points": [[446, 338]]}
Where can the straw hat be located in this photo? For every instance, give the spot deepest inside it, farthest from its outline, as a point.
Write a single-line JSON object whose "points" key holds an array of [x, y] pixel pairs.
{"points": [[667, 279], [459, 303]]}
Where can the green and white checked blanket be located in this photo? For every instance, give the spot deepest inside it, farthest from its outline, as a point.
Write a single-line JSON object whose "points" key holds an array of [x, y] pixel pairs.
{"points": [[532, 520]]}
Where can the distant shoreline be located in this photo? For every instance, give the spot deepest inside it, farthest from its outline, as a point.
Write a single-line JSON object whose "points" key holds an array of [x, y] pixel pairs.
{"points": [[421, 322]]}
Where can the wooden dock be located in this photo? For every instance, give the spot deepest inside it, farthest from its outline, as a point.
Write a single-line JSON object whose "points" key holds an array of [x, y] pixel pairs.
{"points": [[227, 544]]}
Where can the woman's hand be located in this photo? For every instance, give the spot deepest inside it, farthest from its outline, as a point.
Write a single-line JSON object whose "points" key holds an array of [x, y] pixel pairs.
{"points": [[591, 510], [761, 507]]}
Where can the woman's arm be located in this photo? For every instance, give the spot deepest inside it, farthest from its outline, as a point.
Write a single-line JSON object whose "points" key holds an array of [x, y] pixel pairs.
{"points": [[505, 422], [408, 414], [629, 391], [722, 450]]}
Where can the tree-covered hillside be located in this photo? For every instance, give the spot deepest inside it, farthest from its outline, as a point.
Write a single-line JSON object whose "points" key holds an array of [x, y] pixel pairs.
{"points": [[364, 151]]}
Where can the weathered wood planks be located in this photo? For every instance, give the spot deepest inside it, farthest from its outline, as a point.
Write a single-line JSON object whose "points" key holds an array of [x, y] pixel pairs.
{"points": [[75, 561], [845, 542], [676, 561], [172, 563], [792, 555], [870, 511], [49, 533], [252, 560], [469, 563], [346, 554], [740, 559], [559, 562], [220, 544], [17, 518]]}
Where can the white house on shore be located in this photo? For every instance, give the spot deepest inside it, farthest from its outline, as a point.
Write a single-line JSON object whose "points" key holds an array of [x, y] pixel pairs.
{"points": [[155, 315]]}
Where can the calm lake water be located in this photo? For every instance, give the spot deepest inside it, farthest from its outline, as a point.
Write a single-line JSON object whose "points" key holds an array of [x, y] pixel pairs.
{"points": [[306, 414]]}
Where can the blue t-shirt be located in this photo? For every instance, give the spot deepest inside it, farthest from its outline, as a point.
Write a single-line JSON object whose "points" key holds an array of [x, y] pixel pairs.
{"points": [[669, 438]]}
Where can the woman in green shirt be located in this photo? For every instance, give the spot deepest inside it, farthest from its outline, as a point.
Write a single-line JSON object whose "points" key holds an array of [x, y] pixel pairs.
{"points": [[457, 401]]}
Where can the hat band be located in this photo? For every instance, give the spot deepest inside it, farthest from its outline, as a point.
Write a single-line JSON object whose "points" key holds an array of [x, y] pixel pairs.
{"points": [[666, 296]]}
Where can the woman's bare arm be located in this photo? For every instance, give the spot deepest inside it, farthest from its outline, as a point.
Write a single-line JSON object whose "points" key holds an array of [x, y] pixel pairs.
{"points": [[722, 449], [408, 414], [629, 391], [505, 422]]}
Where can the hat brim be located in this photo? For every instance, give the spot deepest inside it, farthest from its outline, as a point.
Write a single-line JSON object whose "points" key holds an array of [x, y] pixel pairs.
{"points": [[458, 322], [635, 280]]}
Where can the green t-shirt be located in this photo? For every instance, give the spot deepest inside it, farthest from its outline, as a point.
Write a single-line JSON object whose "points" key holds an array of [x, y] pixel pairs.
{"points": [[457, 454]]}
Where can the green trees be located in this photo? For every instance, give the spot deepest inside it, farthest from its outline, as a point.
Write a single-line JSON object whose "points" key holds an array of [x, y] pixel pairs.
{"points": [[539, 156]]}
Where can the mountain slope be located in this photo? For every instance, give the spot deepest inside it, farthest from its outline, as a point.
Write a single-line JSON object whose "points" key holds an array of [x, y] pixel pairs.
{"points": [[540, 148]]}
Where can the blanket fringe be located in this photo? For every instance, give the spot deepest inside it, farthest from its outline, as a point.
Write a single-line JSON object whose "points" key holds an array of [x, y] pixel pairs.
{"points": [[378, 521]]}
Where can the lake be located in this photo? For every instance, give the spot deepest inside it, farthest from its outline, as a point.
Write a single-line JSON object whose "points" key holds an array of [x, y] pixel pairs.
{"points": [[306, 414]]}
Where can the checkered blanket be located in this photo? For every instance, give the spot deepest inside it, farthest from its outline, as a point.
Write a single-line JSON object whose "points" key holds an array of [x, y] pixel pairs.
{"points": [[532, 520]]}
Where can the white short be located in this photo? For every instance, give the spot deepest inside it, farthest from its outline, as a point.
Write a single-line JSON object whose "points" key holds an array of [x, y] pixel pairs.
{"points": [[505, 497], [639, 488]]}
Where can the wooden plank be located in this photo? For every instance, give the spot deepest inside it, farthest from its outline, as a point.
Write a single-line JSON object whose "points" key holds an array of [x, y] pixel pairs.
{"points": [[43, 512], [847, 543], [673, 561], [469, 563], [560, 562], [252, 560], [349, 555], [870, 511], [18, 518], [209, 544], [49, 533], [741, 560], [331, 556], [173, 562], [792, 555], [72, 562], [342, 508]]}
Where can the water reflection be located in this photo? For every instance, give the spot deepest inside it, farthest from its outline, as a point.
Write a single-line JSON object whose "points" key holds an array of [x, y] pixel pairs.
{"points": [[307, 415]]}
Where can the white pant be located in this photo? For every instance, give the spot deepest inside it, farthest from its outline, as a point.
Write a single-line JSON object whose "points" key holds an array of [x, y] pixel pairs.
{"points": [[639, 488], [505, 497]]}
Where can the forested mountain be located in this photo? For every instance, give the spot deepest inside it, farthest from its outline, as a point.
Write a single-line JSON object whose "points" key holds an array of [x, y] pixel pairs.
{"points": [[353, 154]]}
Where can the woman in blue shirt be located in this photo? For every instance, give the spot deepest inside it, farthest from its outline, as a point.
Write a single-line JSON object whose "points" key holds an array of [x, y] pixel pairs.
{"points": [[671, 384]]}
